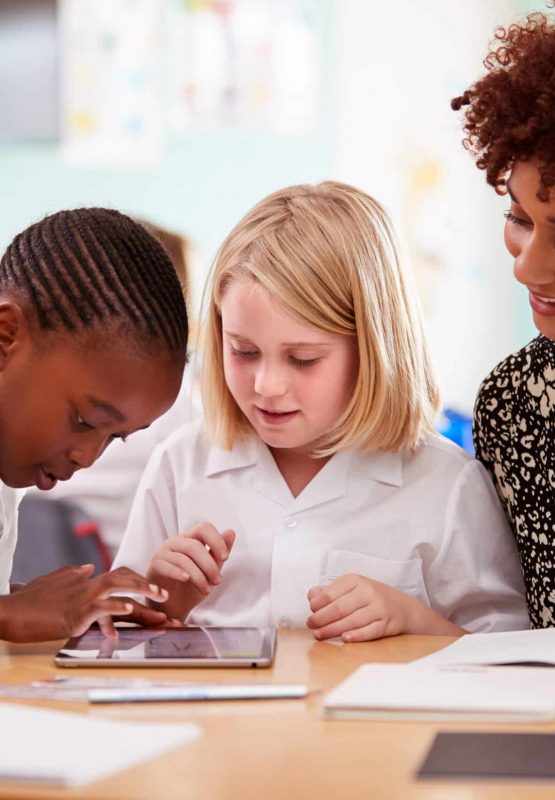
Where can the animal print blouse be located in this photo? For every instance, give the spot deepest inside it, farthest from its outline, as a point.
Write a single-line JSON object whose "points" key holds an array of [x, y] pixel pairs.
{"points": [[514, 437]]}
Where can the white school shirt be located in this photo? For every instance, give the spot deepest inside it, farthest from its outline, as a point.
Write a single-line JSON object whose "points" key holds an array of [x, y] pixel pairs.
{"points": [[429, 524], [9, 502]]}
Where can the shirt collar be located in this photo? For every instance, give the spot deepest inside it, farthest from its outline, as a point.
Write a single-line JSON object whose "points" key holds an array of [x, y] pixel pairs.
{"points": [[243, 454], [379, 466]]}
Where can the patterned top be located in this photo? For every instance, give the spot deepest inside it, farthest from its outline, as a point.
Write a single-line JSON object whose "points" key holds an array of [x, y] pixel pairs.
{"points": [[514, 438]]}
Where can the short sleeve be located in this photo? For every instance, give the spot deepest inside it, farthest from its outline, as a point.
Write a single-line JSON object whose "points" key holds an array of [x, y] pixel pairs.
{"points": [[153, 517], [476, 574]]}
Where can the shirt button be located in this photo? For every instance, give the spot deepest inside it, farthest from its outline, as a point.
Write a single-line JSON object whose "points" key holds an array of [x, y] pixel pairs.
{"points": [[291, 523], [284, 622]]}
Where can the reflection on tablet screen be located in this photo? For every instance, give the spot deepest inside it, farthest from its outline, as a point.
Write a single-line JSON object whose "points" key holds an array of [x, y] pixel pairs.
{"points": [[173, 643]]}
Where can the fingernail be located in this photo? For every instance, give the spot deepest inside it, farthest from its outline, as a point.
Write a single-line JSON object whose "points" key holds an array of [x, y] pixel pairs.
{"points": [[208, 590], [347, 637], [154, 588], [217, 580], [185, 576], [128, 607], [317, 634], [164, 593]]}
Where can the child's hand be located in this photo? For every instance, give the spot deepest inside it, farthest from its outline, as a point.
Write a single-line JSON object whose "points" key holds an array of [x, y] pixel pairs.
{"points": [[359, 609], [66, 602], [189, 566]]}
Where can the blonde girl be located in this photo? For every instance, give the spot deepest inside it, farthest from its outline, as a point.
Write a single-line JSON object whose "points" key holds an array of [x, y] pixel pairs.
{"points": [[316, 492]]}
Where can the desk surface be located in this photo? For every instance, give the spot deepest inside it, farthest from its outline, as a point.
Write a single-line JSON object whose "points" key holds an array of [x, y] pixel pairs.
{"points": [[280, 749]]}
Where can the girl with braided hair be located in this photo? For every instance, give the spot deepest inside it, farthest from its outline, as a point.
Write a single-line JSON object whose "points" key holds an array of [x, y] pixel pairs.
{"points": [[509, 120], [93, 339]]}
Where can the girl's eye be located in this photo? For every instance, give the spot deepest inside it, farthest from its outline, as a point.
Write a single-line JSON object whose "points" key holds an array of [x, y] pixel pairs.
{"points": [[119, 436], [82, 424], [243, 353], [510, 217], [303, 362]]}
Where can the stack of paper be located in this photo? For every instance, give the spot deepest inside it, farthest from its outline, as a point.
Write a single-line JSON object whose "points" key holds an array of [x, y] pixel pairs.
{"points": [[419, 692], [458, 682], [56, 747]]}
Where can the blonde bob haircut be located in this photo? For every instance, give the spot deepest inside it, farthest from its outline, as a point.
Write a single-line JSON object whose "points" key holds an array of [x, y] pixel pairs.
{"points": [[329, 255]]}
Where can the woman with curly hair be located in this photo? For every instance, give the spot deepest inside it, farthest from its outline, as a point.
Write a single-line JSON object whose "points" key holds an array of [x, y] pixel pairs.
{"points": [[510, 128]]}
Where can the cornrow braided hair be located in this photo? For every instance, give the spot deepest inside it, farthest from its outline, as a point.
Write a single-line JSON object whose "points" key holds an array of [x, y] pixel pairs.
{"points": [[510, 112], [86, 266]]}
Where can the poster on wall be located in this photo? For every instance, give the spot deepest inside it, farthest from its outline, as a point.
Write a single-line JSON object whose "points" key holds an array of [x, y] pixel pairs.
{"points": [[133, 71], [111, 73], [251, 64]]}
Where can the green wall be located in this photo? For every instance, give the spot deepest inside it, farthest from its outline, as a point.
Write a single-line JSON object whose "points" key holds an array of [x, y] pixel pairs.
{"points": [[205, 183]]}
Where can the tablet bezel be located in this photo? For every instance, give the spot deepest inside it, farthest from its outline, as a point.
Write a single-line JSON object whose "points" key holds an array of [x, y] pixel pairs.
{"points": [[265, 659]]}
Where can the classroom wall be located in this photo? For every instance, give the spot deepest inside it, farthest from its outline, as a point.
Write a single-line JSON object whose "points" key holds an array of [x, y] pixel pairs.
{"points": [[398, 66], [205, 183]]}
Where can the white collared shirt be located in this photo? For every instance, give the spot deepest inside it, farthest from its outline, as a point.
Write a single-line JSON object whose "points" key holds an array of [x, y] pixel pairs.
{"points": [[9, 503], [429, 524]]}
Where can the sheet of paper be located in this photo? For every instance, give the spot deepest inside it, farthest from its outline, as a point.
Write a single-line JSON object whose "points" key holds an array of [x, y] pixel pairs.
{"points": [[511, 647], [57, 747]]}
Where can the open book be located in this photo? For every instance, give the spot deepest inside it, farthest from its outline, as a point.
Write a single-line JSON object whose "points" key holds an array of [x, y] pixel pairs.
{"points": [[529, 648]]}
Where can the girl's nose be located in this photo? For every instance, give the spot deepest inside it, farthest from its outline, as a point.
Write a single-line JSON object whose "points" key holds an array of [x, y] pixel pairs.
{"points": [[85, 454], [269, 382]]}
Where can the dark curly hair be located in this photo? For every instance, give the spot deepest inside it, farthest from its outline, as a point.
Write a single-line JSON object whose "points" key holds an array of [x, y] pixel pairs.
{"points": [[510, 112]]}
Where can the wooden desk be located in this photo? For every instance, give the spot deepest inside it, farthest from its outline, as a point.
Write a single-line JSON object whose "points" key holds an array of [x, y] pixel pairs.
{"points": [[274, 750]]}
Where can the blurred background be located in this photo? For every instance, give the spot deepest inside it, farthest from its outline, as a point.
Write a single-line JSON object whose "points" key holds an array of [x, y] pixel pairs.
{"points": [[186, 112]]}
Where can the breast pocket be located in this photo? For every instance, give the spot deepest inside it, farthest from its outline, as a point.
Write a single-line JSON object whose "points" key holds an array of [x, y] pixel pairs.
{"points": [[407, 576]]}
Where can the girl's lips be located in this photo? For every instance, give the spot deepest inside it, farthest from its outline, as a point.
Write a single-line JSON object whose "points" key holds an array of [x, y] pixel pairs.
{"points": [[44, 480], [275, 417], [541, 305]]}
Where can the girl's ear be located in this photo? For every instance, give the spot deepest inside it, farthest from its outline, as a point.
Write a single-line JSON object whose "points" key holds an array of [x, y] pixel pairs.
{"points": [[12, 329]]}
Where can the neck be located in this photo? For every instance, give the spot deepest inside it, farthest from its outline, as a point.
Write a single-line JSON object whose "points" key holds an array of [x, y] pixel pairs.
{"points": [[297, 468]]}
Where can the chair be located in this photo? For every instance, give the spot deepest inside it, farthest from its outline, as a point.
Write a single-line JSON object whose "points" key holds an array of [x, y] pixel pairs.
{"points": [[55, 533]]}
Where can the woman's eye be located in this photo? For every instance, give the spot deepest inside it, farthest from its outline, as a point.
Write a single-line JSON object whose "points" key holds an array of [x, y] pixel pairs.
{"points": [[244, 353], [303, 362], [514, 220]]}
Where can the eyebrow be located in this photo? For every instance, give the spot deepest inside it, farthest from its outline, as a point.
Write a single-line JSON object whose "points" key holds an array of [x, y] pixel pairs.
{"points": [[284, 344], [513, 197], [107, 408]]}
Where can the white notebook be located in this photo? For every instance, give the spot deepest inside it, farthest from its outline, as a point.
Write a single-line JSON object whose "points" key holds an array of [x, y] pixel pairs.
{"points": [[66, 749], [408, 691]]}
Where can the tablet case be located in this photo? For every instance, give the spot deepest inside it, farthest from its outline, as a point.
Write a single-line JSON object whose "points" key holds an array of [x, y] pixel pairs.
{"points": [[490, 755]]}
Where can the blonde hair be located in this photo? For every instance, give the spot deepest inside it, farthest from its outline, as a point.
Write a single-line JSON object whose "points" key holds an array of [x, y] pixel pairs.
{"points": [[329, 254]]}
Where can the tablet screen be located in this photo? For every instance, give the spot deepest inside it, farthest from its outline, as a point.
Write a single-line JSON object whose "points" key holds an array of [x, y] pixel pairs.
{"points": [[144, 644]]}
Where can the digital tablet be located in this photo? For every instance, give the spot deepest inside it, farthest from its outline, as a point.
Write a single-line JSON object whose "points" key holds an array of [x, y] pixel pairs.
{"points": [[171, 647]]}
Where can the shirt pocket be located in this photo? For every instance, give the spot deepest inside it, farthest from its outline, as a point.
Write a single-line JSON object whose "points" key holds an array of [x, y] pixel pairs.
{"points": [[407, 576]]}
